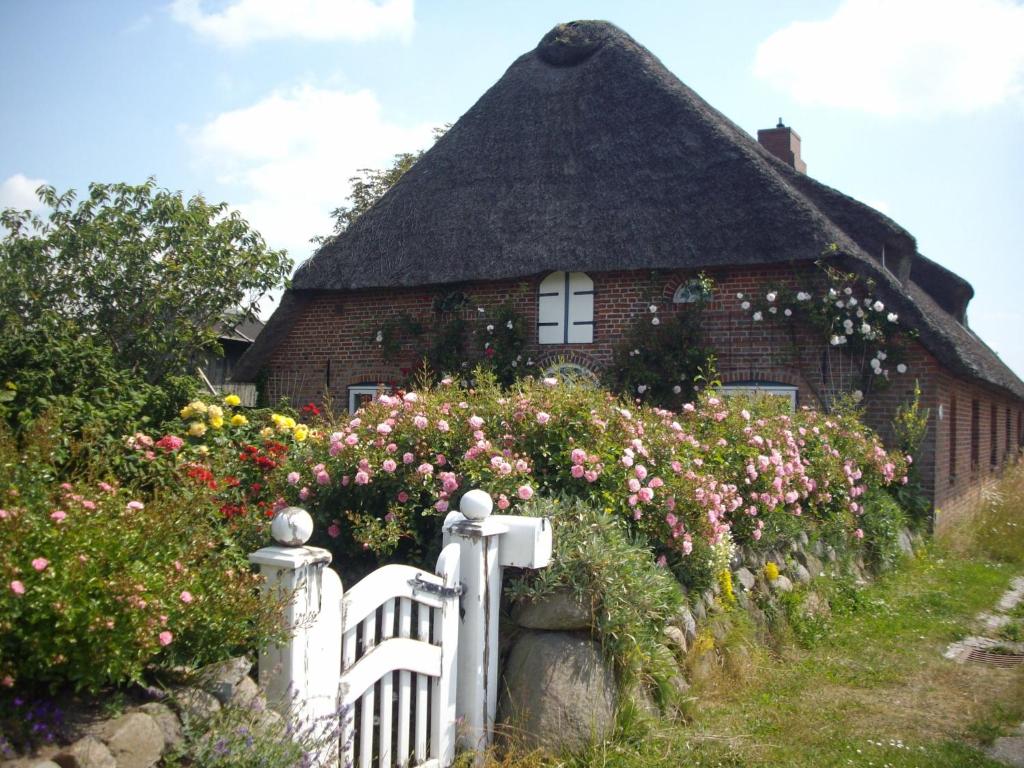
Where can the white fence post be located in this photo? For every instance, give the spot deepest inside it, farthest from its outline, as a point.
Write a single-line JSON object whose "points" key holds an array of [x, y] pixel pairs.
{"points": [[301, 676], [487, 544]]}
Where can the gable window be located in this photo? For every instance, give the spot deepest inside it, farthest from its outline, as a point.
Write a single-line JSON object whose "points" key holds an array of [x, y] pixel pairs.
{"points": [[762, 389], [565, 309], [361, 394]]}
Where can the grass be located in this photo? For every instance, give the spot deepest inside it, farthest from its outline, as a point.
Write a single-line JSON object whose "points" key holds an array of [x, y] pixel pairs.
{"points": [[867, 687]]}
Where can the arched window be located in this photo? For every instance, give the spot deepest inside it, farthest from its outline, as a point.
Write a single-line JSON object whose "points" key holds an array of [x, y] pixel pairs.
{"points": [[572, 374], [690, 292], [763, 389], [565, 309]]}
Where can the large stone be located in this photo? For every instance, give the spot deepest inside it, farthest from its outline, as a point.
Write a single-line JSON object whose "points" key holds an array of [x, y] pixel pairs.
{"points": [[269, 723], [782, 584], [87, 752], [801, 574], [811, 562], [676, 640], [135, 740], [559, 691], [195, 705], [906, 545], [561, 610], [700, 613], [687, 623], [744, 577], [220, 679], [245, 693], [168, 722], [1008, 750]]}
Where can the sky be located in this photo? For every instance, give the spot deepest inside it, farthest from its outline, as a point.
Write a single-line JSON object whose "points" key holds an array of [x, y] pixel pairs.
{"points": [[915, 107]]}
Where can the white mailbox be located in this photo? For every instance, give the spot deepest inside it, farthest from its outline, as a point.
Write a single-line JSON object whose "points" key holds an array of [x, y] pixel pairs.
{"points": [[527, 543]]}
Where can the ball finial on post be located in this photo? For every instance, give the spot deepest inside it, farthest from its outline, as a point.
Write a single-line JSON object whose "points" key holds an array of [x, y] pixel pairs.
{"points": [[476, 504], [291, 527]]}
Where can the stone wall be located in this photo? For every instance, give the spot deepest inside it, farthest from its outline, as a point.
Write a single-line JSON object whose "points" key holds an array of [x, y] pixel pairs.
{"points": [[140, 735], [560, 692]]}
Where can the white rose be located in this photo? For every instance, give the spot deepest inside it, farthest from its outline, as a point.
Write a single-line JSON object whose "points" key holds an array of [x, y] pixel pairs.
{"points": [[848, 290], [745, 305], [771, 296], [655, 321], [881, 355], [758, 317], [893, 317], [653, 308], [677, 389], [878, 306], [857, 395], [901, 368], [835, 341], [773, 310], [641, 388], [739, 296], [787, 312]]}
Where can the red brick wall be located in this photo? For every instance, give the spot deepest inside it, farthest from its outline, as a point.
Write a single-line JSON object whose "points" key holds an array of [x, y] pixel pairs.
{"points": [[331, 347]]}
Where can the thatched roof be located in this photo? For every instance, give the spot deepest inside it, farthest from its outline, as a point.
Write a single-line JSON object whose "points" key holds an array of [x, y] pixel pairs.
{"points": [[589, 155]]}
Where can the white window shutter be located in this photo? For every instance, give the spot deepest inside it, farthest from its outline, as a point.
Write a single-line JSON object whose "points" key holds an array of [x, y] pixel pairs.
{"points": [[551, 309], [581, 309]]}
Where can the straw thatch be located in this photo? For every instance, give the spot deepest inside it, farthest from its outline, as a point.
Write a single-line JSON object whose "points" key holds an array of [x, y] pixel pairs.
{"points": [[589, 155]]}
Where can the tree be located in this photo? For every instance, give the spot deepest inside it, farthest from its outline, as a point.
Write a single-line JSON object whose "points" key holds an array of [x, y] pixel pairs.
{"points": [[369, 186], [138, 270]]}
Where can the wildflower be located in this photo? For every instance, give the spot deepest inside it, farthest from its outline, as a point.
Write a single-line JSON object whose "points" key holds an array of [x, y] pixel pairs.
{"points": [[165, 638], [185, 597], [40, 564]]}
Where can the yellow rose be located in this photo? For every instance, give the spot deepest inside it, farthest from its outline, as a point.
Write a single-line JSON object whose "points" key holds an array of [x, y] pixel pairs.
{"points": [[301, 433], [266, 432], [197, 429], [238, 420], [277, 418], [197, 406], [202, 450], [232, 400], [186, 412], [289, 422], [217, 422], [215, 412]]}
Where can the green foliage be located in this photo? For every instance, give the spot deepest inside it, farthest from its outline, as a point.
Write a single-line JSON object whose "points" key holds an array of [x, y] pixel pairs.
{"points": [[910, 425], [662, 361], [369, 186], [882, 521], [98, 582], [599, 561], [136, 269]]}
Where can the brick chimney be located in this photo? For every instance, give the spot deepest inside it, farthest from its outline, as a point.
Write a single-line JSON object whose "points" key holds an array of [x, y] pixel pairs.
{"points": [[784, 143]]}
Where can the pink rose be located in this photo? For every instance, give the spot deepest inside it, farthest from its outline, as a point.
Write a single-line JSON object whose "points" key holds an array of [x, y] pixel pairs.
{"points": [[383, 429], [476, 422], [402, 497], [389, 465], [634, 485], [293, 478], [525, 492], [165, 638], [641, 471], [443, 425], [579, 456], [304, 493], [134, 505], [441, 505], [322, 478], [425, 468], [362, 478], [408, 458], [334, 530], [58, 515], [17, 587], [420, 422], [858, 533], [645, 494], [503, 502], [577, 471], [543, 418], [186, 597], [170, 443], [40, 563]]}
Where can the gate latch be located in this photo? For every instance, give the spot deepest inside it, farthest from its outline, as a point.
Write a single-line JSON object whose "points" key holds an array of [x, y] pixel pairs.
{"points": [[440, 590]]}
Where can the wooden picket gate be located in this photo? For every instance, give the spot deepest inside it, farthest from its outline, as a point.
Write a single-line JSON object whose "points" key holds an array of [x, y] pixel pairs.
{"points": [[401, 622]]}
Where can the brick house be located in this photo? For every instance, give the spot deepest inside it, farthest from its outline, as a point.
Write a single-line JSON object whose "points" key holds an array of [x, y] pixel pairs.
{"points": [[589, 182]]}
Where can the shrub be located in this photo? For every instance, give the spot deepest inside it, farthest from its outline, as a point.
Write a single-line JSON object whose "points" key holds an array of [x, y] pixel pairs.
{"points": [[633, 598], [99, 583], [882, 521]]}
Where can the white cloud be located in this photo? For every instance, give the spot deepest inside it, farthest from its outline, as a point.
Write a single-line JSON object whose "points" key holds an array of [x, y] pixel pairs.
{"points": [[19, 191], [245, 21], [292, 153], [893, 57]]}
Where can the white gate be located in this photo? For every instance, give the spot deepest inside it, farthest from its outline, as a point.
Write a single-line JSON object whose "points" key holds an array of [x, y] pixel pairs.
{"points": [[370, 674], [401, 622]]}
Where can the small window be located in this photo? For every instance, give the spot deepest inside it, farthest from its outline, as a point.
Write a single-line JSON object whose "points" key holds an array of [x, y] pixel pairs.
{"points": [[762, 389], [690, 292], [952, 440], [572, 374], [975, 434], [565, 309], [360, 394], [993, 436]]}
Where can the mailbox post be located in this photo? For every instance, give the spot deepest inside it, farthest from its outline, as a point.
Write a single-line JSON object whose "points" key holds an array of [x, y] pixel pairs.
{"points": [[488, 543]]}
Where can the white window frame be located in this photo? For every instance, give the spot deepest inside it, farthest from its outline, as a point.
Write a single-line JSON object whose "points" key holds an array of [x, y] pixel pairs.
{"points": [[565, 309], [373, 390], [758, 389]]}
